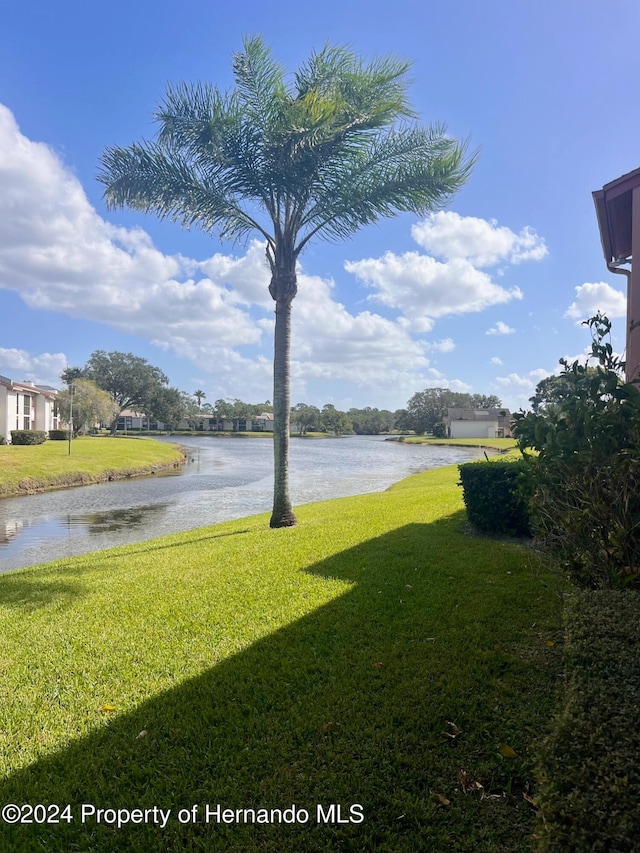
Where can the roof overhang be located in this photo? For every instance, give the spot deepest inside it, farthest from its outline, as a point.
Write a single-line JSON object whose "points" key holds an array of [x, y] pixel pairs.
{"points": [[614, 211]]}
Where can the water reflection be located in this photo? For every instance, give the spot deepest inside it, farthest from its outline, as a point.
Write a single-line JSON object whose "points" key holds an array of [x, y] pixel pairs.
{"points": [[116, 519], [10, 528]]}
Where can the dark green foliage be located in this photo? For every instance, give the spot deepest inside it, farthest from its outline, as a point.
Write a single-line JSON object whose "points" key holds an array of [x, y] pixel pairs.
{"points": [[585, 508], [493, 496], [28, 436], [371, 421], [439, 430], [130, 380], [589, 771], [59, 435]]}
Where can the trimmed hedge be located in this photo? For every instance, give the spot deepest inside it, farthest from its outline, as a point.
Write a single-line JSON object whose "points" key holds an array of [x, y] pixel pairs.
{"points": [[492, 493], [28, 436], [59, 435], [589, 770]]}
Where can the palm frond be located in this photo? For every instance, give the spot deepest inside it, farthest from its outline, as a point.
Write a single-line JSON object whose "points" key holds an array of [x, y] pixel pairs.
{"points": [[148, 178], [259, 84], [407, 170]]}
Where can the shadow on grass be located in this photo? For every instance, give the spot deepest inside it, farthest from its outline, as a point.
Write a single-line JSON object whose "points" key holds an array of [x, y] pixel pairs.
{"points": [[24, 593], [346, 706]]}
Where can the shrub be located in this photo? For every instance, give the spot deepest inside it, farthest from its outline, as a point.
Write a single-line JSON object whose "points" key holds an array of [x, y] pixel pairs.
{"points": [[3, 440], [59, 435], [588, 766], [28, 436], [585, 505], [439, 430], [494, 496]]}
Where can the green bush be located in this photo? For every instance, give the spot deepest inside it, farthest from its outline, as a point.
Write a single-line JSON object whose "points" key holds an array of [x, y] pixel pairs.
{"points": [[585, 504], [28, 436], [493, 494], [59, 435], [439, 430], [588, 770]]}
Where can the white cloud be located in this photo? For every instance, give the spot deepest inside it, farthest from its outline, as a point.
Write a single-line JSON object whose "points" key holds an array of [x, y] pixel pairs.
{"points": [[445, 345], [248, 275], [482, 242], [43, 369], [500, 328], [516, 389], [496, 360], [592, 297], [423, 288]]}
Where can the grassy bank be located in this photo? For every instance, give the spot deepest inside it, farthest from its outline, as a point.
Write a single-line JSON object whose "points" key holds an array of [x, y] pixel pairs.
{"points": [[374, 655], [28, 469], [503, 444]]}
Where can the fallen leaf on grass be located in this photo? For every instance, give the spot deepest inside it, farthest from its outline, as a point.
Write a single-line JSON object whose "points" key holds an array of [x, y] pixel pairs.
{"points": [[441, 799], [550, 643], [378, 665], [468, 784], [107, 707], [507, 751], [143, 733], [454, 733], [529, 799], [327, 727]]}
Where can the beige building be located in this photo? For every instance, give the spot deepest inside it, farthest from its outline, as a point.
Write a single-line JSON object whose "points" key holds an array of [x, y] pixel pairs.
{"points": [[24, 405]]}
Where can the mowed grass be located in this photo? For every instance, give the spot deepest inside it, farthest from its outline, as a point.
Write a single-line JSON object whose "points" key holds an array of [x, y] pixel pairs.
{"points": [[503, 444], [374, 655], [29, 468]]}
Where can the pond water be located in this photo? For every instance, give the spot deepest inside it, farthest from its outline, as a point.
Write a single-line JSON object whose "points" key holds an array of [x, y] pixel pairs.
{"points": [[223, 479]]}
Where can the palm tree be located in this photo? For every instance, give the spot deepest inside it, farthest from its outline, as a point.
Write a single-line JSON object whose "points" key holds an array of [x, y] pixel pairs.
{"points": [[329, 151], [200, 396]]}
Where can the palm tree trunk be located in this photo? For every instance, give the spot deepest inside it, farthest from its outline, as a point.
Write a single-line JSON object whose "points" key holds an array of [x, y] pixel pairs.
{"points": [[283, 288], [282, 515]]}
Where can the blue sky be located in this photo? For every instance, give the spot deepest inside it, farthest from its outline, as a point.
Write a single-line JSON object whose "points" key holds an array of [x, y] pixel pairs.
{"points": [[485, 296]]}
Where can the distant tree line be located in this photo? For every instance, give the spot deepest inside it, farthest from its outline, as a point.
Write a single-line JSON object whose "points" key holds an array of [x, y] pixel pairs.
{"points": [[114, 381]]}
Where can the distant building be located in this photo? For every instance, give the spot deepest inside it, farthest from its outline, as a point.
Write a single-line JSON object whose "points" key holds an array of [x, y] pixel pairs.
{"points": [[478, 423], [25, 406], [264, 422], [130, 421]]}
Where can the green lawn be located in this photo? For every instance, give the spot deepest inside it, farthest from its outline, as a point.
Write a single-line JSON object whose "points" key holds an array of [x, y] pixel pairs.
{"points": [[495, 443], [374, 655], [25, 469]]}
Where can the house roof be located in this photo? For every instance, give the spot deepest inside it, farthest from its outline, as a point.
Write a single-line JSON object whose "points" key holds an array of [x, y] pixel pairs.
{"points": [[458, 414], [613, 209], [46, 390]]}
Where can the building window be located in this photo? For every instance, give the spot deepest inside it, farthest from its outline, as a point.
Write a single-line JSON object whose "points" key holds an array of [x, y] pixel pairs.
{"points": [[27, 412]]}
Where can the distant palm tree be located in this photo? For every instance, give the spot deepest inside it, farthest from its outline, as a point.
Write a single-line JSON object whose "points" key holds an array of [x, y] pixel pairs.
{"points": [[200, 396], [331, 151]]}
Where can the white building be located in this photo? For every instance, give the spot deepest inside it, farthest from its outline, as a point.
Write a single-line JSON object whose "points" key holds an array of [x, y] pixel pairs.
{"points": [[24, 405], [478, 423]]}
